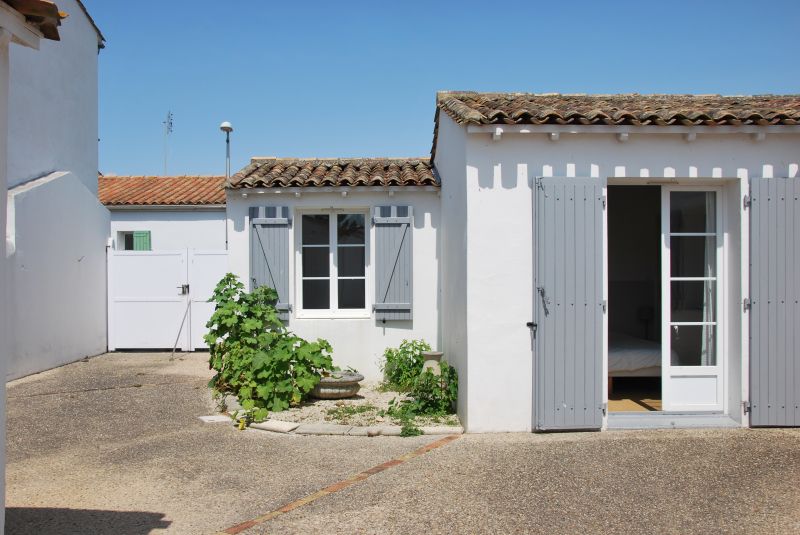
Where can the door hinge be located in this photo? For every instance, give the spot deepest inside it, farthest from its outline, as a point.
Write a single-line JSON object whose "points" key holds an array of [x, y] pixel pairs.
{"points": [[746, 304], [746, 407], [746, 202], [545, 300]]}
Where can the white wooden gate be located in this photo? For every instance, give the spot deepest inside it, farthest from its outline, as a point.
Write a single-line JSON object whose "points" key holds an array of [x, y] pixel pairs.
{"points": [[156, 298]]}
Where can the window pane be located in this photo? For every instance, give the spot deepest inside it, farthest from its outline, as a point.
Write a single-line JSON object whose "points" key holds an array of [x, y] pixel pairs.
{"points": [[351, 261], [693, 345], [693, 256], [693, 300], [351, 293], [315, 229], [316, 294], [316, 262], [692, 211], [128, 236], [351, 228]]}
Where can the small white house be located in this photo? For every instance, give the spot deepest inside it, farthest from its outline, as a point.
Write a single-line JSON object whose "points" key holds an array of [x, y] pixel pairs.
{"points": [[167, 252], [584, 261], [160, 213], [351, 246]]}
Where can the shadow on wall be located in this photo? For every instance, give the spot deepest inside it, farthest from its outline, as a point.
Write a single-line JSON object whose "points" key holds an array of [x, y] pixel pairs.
{"points": [[57, 521]]}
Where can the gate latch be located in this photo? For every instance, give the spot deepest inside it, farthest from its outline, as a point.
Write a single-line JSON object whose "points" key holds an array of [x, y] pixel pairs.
{"points": [[184, 288], [533, 326]]}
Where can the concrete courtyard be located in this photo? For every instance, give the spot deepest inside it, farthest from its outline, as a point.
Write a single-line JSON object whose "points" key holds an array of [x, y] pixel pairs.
{"points": [[113, 445]]}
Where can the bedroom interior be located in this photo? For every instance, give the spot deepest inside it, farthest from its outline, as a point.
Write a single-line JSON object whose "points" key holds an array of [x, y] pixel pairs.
{"points": [[634, 304]]}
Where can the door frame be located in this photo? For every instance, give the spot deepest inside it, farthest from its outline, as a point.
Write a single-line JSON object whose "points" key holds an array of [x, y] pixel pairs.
{"points": [[735, 193], [720, 334]]}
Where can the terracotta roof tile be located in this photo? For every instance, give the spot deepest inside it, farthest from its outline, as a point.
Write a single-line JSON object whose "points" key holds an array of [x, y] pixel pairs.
{"points": [[42, 14], [310, 173], [624, 109], [161, 190]]}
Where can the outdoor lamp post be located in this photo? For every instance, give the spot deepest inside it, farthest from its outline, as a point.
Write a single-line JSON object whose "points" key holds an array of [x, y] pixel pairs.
{"points": [[227, 128]]}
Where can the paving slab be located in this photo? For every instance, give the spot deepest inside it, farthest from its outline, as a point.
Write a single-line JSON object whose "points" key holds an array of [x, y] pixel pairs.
{"points": [[277, 426]]}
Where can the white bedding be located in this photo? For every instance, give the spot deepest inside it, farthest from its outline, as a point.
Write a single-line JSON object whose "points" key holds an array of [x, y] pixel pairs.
{"points": [[629, 354]]}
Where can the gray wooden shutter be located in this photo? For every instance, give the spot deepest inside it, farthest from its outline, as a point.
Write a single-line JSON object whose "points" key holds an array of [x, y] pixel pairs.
{"points": [[568, 303], [393, 266], [269, 252], [774, 296]]}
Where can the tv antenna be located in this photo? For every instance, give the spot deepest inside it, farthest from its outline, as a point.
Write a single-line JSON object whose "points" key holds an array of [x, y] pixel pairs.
{"points": [[167, 131]]}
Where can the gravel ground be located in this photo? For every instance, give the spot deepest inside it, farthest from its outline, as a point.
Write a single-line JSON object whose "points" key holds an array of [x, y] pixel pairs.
{"points": [[114, 446], [368, 407]]}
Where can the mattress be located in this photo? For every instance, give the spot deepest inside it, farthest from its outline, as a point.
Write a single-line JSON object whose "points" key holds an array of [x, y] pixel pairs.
{"points": [[630, 356]]}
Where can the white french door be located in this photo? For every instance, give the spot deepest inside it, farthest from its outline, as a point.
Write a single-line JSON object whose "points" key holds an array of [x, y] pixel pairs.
{"points": [[691, 265]]}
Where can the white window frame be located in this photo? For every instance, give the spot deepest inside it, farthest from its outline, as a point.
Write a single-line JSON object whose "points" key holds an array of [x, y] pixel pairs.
{"points": [[719, 370], [333, 312]]}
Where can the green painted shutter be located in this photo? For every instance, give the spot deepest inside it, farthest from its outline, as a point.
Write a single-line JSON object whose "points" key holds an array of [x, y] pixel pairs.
{"points": [[141, 240]]}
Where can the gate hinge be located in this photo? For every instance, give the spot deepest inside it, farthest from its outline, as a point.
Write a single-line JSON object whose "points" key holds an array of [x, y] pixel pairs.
{"points": [[746, 202], [746, 304], [604, 304], [605, 409], [746, 407], [603, 200]]}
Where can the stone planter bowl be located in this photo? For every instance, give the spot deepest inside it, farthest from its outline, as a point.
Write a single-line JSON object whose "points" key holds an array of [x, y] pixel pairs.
{"points": [[338, 385]]}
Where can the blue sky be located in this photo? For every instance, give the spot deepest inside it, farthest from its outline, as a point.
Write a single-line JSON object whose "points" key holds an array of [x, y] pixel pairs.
{"points": [[345, 79]]}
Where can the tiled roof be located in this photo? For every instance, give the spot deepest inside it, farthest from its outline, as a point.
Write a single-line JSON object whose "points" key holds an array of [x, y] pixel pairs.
{"points": [[291, 172], [161, 190], [628, 109], [42, 14]]}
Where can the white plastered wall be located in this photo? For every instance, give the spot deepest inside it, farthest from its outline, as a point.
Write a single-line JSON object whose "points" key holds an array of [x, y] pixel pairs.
{"points": [[498, 176], [56, 242], [57, 230], [53, 112], [173, 229], [5, 37], [356, 342], [450, 162]]}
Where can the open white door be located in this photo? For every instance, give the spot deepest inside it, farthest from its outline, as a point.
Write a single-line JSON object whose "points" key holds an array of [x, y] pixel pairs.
{"points": [[691, 264]]}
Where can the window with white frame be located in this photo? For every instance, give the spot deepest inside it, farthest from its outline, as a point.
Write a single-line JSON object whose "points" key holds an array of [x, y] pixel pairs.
{"points": [[333, 262]]}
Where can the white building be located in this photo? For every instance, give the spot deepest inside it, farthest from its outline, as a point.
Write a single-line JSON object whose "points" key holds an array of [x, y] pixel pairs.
{"points": [[575, 257], [56, 230], [161, 213], [167, 253], [28, 56], [374, 277]]}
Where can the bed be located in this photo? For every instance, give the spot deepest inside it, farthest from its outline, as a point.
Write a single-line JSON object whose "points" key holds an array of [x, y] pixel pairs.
{"points": [[633, 357]]}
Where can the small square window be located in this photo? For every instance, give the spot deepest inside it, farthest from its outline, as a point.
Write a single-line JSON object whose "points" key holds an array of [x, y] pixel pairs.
{"points": [[137, 240]]}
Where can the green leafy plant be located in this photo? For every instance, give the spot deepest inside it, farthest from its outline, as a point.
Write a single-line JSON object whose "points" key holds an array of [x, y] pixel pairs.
{"points": [[436, 394], [402, 365], [256, 358], [431, 395]]}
